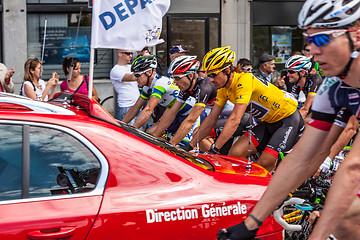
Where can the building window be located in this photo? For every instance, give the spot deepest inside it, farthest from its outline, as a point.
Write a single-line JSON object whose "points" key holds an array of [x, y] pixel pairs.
{"points": [[280, 41], [196, 33], [63, 38]]}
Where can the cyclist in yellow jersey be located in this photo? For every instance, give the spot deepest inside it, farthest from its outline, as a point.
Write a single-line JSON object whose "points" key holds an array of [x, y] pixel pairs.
{"points": [[282, 123], [269, 103]]}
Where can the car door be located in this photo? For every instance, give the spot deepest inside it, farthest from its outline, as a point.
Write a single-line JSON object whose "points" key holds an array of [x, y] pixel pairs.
{"points": [[51, 182]]}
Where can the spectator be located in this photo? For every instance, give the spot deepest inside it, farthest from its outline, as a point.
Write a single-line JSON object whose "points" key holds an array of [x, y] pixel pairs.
{"points": [[267, 71], [6, 83], [306, 51], [177, 51], [266, 66], [34, 87], [144, 52], [244, 65], [124, 83], [278, 80], [75, 82]]}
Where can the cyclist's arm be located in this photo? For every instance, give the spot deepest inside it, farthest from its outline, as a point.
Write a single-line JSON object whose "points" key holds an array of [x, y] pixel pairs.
{"points": [[134, 110], [146, 112], [128, 77], [167, 118], [304, 110], [298, 165], [342, 193], [231, 124], [345, 136], [187, 124], [208, 124]]}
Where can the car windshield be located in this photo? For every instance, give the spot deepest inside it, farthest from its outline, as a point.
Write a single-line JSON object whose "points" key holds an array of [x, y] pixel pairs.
{"points": [[168, 147]]}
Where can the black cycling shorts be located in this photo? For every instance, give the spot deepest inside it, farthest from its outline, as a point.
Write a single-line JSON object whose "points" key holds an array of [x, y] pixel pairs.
{"points": [[279, 136]]}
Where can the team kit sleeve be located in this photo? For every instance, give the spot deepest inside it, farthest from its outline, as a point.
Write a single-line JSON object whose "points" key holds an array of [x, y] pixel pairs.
{"points": [[323, 113], [182, 97], [243, 89], [204, 96], [145, 93], [161, 86], [221, 97], [316, 83]]}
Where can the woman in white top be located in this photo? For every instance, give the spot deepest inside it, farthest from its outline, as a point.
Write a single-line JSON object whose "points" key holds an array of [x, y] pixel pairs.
{"points": [[34, 87]]}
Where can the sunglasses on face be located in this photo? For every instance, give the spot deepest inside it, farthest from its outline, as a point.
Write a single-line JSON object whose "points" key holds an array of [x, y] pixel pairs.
{"points": [[214, 74], [178, 77], [249, 69], [127, 53], [137, 75], [292, 71], [322, 38], [307, 50]]}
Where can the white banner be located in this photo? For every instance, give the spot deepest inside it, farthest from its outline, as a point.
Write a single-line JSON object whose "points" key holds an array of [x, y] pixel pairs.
{"points": [[127, 24]]}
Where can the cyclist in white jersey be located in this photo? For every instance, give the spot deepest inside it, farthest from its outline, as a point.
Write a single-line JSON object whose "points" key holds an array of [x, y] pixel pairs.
{"points": [[156, 89], [333, 32]]}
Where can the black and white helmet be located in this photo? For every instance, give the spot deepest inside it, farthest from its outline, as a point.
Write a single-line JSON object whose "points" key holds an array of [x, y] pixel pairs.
{"points": [[298, 62], [329, 14], [143, 63], [184, 64]]}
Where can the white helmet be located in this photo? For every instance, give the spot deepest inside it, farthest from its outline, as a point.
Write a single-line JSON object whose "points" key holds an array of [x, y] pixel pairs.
{"points": [[183, 64], [298, 62], [329, 13]]}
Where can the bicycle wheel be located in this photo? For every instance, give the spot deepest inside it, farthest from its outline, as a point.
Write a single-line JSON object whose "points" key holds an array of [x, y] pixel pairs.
{"points": [[109, 105]]}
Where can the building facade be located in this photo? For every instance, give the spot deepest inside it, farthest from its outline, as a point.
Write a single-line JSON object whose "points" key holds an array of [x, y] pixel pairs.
{"points": [[249, 27]]}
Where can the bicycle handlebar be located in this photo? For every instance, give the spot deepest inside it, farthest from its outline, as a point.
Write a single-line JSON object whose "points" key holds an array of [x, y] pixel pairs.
{"points": [[279, 213]]}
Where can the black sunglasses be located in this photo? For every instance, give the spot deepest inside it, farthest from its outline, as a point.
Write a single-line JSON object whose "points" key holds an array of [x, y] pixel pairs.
{"points": [[291, 71], [307, 50], [127, 53], [248, 69], [213, 75]]}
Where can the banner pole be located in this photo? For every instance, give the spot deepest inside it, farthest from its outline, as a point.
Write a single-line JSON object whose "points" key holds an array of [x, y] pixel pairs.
{"points": [[43, 48], [91, 71]]}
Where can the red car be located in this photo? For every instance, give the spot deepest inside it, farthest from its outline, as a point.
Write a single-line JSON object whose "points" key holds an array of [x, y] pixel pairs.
{"points": [[68, 170]]}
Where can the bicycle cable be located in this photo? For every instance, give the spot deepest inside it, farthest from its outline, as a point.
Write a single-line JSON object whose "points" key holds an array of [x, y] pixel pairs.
{"points": [[248, 165]]}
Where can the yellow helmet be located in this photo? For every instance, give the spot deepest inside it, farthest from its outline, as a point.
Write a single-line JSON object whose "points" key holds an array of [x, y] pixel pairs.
{"points": [[218, 58]]}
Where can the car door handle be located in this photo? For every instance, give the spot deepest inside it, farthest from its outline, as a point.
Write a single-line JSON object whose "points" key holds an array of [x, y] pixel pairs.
{"points": [[52, 233]]}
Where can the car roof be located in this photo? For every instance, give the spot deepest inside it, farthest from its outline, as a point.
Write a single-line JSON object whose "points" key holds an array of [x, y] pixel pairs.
{"points": [[63, 105]]}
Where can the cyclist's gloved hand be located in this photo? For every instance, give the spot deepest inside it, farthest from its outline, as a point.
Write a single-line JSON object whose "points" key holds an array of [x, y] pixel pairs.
{"points": [[186, 147], [237, 232], [326, 165]]}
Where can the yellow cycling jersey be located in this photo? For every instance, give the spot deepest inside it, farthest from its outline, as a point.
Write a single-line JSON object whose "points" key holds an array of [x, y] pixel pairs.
{"points": [[265, 101]]}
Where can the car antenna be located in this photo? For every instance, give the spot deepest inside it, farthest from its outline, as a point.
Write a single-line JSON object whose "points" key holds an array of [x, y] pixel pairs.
{"points": [[72, 59], [43, 48], [74, 53]]}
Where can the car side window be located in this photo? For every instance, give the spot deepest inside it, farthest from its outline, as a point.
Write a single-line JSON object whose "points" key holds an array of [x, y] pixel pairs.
{"points": [[59, 163], [10, 161]]}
